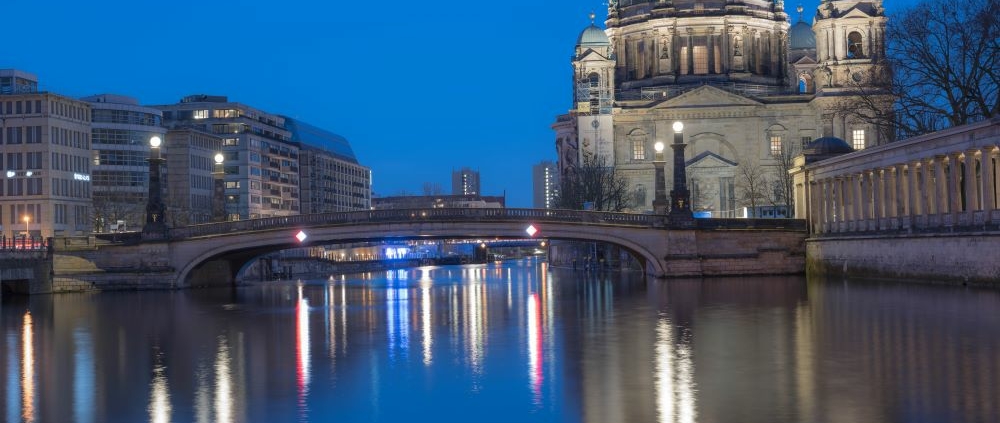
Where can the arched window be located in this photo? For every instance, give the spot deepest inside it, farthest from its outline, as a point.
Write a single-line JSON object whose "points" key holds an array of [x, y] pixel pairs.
{"points": [[854, 47], [804, 83], [638, 141], [594, 79]]}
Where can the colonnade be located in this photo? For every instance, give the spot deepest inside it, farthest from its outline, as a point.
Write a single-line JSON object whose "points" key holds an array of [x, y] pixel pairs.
{"points": [[959, 188]]}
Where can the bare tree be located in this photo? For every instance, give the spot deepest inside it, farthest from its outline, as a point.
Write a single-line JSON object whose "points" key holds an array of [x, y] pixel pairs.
{"points": [[783, 191], [110, 207], [752, 186], [942, 69], [596, 183], [704, 192]]}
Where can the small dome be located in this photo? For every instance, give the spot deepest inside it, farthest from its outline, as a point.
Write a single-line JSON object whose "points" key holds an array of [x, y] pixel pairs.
{"points": [[802, 36], [593, 36], [827, 145]]}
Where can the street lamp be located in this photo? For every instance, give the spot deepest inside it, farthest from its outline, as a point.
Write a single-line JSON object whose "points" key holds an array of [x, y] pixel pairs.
{"points": [[660, 189], [680, 201], [218, 197], [155, 228]]}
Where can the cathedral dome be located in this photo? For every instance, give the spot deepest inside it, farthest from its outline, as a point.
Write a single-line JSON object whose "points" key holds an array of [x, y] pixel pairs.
{"points": [[593, 36], [827, 145], [802, 36]]}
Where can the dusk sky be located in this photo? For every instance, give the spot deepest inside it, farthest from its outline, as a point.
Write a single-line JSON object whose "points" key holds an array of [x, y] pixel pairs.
{"points": [[418, 88]]}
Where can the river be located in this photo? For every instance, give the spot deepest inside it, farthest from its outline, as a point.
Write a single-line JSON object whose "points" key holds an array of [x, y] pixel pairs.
{"points": [[507, 342]]}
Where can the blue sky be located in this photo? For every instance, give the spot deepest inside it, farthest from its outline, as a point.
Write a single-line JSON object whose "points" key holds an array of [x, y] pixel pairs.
{"points": [[419, 88]]}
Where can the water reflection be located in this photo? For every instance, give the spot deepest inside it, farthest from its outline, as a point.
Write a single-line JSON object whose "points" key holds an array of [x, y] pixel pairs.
{"points": [[510, 342], [303, 358], [159, 393], [28, 370]]}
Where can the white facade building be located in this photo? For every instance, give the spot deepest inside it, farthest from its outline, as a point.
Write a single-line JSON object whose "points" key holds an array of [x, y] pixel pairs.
{"points": [[746, 84]]}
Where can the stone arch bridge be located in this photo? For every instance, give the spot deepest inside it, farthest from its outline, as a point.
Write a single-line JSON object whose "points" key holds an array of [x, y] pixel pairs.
{"points": [[214, 253]]}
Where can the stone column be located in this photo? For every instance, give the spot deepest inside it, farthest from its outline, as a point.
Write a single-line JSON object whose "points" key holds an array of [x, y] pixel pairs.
{"points": [[913, 194], [866, 201], [827, 205], [955, 188], [989, 185], [971, 188], [849, 188], [878, 197], [899, 179], [690, 52], [940, 187], [711, 50], [815, 191], [929, 189], [859, 202], [841, 204]]}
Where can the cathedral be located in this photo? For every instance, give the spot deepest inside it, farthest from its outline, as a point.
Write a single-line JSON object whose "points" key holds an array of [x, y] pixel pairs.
{"points": [[747, 84]]}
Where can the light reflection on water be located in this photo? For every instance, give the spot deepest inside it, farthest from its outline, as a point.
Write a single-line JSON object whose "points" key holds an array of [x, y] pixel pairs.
{"points": [[511, 342]]}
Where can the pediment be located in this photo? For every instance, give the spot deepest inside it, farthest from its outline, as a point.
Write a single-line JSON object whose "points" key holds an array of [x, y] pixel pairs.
{"points": [[709, 159], [855, 12], [591, 55], [706, 96], [805, 60]]}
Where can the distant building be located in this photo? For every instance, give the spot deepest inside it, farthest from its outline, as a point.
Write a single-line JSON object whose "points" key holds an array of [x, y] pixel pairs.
{"points": [[190, 183], [120, 133], [545, 184], [261, 162], [465, 182], [45, 157], [438, 201], [330, 177]]}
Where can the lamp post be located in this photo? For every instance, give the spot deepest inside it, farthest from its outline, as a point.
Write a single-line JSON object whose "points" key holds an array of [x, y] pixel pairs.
{"points": [[680, 201], [660, 186], [155, 228], [218, 195], [27, 232]]}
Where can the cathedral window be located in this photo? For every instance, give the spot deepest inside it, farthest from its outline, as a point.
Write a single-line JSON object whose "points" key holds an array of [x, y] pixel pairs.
{"points": [[594, 80], [854, 47], [858, 139], [775, 145], [638, 150]]}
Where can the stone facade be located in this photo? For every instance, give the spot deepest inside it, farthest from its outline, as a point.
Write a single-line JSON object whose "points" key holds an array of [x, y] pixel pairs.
{"points": [[723, 69]]}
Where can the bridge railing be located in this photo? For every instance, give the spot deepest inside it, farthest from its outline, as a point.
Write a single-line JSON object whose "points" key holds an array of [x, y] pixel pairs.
{"points": [[411, 215]]}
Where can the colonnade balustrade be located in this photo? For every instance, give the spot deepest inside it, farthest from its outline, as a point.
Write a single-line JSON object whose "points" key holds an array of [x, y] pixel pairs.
{"points": [[937, 182]]}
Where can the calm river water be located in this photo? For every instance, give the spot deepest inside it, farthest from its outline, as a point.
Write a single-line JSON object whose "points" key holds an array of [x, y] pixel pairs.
{"points": [[511, 342]]}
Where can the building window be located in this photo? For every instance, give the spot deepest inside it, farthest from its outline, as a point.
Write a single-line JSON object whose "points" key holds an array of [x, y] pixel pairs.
{"points": [[700, 60], [775, 145], [854, 47], [200, 114], [638, 150], [858, 139], [806, 141]]}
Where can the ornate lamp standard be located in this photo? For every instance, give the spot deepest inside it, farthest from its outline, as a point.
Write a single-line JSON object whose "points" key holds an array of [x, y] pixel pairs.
{"points": [[680, 201], [219, 190], [155, 228], [660, 202]]}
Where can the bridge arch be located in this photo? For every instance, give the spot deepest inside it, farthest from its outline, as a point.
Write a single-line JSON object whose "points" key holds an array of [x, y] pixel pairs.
{"points": [[202, 256]]}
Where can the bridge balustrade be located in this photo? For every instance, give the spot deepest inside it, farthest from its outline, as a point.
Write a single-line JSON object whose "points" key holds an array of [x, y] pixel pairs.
{"points": [[944, 181], [411, 215]]}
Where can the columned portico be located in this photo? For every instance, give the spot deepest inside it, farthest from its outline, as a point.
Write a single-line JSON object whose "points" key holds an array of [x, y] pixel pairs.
{"points": [[934, 181]]}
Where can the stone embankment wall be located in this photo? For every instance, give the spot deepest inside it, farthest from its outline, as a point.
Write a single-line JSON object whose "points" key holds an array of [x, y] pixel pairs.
{"points": [[709, 253], [969, 257], [84, 267]]}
